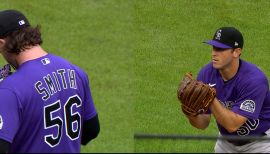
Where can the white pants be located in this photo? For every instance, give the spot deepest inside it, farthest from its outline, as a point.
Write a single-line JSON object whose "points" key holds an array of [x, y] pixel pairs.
{"points": [[257, 146]]}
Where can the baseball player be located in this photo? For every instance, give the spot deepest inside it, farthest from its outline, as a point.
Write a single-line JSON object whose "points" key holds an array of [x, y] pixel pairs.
{"points": [[46, 104], [242, 103]]}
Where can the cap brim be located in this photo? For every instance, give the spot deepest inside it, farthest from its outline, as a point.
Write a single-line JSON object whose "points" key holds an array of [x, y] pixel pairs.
{"points": [[217, 44]]}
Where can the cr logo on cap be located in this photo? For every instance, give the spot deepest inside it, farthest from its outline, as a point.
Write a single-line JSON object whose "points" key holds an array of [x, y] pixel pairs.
{"points": [[218, 34]]}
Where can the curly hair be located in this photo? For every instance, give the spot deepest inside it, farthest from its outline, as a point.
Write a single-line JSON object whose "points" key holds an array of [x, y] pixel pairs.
{"points": [[20, 40]]}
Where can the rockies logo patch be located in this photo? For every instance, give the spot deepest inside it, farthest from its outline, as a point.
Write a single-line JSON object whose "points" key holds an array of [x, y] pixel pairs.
{"points": [[1, 122], [248, 105]]}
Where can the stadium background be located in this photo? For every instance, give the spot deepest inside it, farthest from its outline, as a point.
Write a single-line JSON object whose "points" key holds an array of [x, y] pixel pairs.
{"points": [[136, 51]]}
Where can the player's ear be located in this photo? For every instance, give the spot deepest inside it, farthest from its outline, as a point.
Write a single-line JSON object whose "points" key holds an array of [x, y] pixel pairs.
{"points": [[237, 52]]}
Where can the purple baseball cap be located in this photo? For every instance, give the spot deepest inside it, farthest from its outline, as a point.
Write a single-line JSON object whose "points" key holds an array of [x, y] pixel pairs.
{"points": [[227, 37]]}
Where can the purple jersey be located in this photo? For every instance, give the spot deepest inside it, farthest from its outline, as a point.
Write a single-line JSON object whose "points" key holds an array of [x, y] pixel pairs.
{"points": [[43, 106], [247, 94]]}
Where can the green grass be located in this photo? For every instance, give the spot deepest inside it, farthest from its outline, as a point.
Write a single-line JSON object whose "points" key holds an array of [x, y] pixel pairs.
{"points": [[135, 53], [169, 44]]}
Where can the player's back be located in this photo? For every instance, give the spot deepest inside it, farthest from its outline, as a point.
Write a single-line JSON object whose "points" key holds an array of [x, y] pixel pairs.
{"points": [[50, 93]]}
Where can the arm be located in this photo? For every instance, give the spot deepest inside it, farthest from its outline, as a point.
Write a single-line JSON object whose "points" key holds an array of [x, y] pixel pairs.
{"points": [[200, 121], [225, 117], [9, 119], [90, 130], [4, 146]]}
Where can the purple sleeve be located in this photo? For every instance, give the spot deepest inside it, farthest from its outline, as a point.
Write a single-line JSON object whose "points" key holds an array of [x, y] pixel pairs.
{"points": [[89, 108], [252, 95], [9, 115]]}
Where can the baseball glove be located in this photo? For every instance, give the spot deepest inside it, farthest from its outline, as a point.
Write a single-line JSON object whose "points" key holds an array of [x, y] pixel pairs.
{"points": [[195, 96]]}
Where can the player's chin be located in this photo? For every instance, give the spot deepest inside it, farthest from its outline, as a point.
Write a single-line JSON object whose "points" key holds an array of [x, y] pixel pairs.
{"points": [[217, 66]]}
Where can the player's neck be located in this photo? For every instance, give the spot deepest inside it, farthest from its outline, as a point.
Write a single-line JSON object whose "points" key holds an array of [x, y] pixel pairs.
{"points": [[30, 54], [230, 71]]}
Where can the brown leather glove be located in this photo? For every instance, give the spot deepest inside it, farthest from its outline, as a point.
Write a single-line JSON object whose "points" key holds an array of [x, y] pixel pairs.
{"points": [[195, 96]]}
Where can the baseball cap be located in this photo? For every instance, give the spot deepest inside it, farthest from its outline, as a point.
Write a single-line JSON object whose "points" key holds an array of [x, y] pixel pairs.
{"points": [[227, 37], [11, 20]]}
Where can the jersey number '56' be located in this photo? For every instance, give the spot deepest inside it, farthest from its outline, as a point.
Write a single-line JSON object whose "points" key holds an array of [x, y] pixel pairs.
{"points": [[72, 120]]}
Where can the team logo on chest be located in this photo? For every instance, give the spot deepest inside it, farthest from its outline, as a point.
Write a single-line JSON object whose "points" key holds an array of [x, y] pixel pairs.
{"points": [[248, 105], [227, 104]]}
